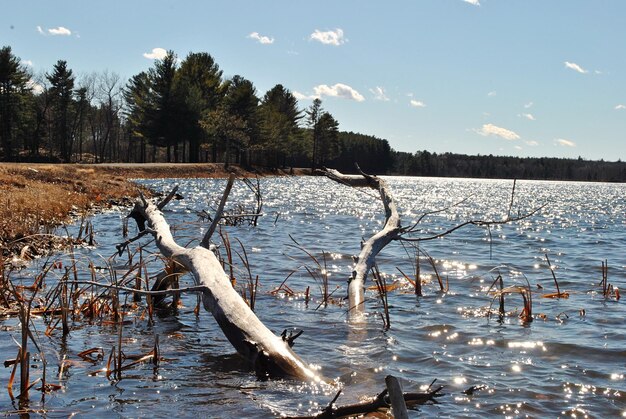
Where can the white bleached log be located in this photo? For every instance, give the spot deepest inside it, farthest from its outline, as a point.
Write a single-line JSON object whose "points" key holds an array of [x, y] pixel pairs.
{"points": [[269, 354], [373, 245]]}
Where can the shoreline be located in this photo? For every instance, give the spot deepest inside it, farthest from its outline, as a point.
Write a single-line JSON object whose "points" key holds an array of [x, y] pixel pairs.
{"points": [[35, 198]]}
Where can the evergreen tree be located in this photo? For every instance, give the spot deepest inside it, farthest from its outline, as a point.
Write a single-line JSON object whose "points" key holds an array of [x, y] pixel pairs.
{"points": [[60, 94], [200, 89], [314, 112], [165, 118], [242, 102], [226, 128], [328, 138], [280, 115], [13, 86], [139, 111]]}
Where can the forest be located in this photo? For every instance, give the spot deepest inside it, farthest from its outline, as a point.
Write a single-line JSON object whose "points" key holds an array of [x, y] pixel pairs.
{"points": [[184, 110]]}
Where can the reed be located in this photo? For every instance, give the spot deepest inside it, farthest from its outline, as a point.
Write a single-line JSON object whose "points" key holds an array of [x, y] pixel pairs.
{"points": [[381, 286], [319, 272], [558, 294], [415, 259], [251, 284]]}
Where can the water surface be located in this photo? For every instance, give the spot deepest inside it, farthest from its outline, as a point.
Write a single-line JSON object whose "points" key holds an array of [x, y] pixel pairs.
{"points": [[569, 361]]}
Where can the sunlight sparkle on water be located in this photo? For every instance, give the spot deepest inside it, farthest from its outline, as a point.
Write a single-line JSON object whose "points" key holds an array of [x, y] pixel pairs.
{"points": [[527, 345]]}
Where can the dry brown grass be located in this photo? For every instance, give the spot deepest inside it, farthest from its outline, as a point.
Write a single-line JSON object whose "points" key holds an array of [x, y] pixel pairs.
{"points": [[36, 197]]}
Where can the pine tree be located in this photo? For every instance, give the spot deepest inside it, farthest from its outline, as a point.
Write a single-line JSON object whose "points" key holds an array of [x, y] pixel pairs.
{"points": [[280, 115], [61, 91], [13, 84], [200, 89], [313, 117]]}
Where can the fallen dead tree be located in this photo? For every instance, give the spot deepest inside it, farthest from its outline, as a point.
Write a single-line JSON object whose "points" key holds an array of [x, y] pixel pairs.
{"points": [[392, 230], [270, 355]]}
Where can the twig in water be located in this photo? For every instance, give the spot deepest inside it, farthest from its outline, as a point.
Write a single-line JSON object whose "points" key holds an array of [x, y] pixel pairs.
{"points": [[558, 294]]}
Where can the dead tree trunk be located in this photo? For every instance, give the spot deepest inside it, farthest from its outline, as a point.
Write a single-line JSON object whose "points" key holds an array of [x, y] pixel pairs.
{"points": [[270, 355], [371, 248]]}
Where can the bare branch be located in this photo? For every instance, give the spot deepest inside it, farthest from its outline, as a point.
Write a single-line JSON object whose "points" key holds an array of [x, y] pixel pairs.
{"points": [[372, 246], [206, 240], [195, 288], [168, 198], [470, 222]]}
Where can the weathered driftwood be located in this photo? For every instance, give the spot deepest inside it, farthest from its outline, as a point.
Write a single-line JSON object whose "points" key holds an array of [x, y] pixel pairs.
{"points": [[396, 398], [381, 403], [270, 355], [373, 245]]}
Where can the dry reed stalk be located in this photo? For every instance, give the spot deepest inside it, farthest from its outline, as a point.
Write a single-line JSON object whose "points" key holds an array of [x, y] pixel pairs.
{"points": [[432, 263], [251, 284], [25, 354], [87, 354], [320, 274], [500, 293], [156, 351], [381, 285], [137, 296], [558, 294], [229, 256], [148, 297], [12, 376], [64, 304], [119, 346], [501, 307]]}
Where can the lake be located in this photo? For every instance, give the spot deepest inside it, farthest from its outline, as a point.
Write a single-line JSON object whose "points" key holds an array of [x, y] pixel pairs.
{"points": [[570, 360]]}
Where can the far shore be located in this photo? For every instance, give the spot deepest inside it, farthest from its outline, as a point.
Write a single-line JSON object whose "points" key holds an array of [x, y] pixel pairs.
{"points": [[34, 198]]}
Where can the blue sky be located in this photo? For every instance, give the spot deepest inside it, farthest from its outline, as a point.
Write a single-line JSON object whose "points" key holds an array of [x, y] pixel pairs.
{"points": [[502, 77]]}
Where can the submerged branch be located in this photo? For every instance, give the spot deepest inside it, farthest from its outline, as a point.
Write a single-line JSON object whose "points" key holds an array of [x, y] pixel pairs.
{"points": [[380, 402], [371, 247], [268, 353]]}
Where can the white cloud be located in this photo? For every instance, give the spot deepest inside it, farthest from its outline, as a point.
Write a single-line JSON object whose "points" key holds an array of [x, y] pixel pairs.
{"points": [[473, 2], [417, 103], [301, 96], [329, 37], [59, 31], [532, 143], [379, 93], [575, 67], [528, 105], [620, 106], [338, 90], [519, 148], [564, 143], [34, 86], [262, 39], [528, 116], [490, 129], [27, 63], [156, 54], [492, 93]]}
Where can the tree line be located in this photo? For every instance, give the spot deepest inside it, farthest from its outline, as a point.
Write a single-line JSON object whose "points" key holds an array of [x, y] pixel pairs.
{"points": [[176, 111], [424, 163], [186, 111]]}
